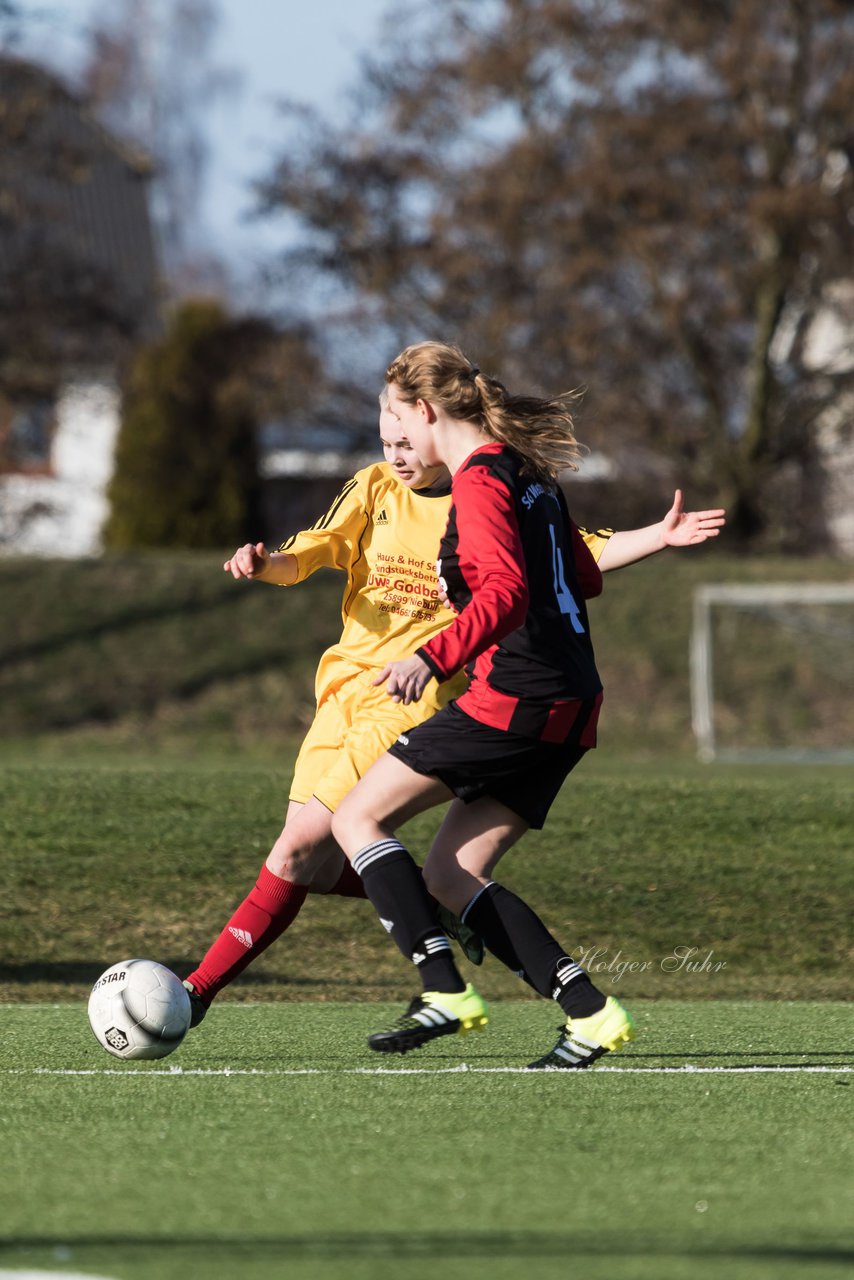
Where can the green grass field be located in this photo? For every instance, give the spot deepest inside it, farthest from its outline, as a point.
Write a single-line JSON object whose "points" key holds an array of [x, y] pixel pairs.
{"points": [[271, 1143], [747, 877], [149, 709]]}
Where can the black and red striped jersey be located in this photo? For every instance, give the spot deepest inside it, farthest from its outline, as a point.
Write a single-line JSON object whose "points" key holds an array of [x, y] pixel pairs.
{"points": [[517, 573]]}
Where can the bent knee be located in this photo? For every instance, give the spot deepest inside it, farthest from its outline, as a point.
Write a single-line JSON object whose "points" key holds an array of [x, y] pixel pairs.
{"points": [[296, 862], [348, 813]]}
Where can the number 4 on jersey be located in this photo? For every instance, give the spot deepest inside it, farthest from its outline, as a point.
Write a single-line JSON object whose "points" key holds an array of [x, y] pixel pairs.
{"points": [[565, 598]]}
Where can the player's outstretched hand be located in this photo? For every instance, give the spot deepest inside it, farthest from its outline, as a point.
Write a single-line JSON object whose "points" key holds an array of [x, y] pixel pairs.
{"points": [[248, 561], [405, 680], [681, 528]]}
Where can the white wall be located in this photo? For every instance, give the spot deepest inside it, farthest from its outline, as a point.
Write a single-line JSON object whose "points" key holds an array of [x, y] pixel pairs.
{"points": [[830, 347], [62, 514]]}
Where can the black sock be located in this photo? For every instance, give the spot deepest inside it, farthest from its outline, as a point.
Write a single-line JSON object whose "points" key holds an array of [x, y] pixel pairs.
{"points": [[481, 915], [395, 887], [574, 991], [517, 936]]}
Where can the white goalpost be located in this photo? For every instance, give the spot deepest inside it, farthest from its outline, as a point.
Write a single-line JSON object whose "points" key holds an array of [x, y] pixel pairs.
{"points": [[772, 672]]}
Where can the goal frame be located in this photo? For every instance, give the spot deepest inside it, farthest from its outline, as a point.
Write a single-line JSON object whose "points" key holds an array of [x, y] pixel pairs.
{"points": [[702, 660]]}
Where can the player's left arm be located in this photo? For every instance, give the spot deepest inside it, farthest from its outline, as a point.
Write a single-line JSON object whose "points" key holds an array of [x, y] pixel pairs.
{"points": [[678, 528]]}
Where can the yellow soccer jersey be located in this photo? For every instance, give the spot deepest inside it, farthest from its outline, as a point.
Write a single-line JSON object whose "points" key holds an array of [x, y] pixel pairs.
{"points": [[385, 537], [596, 540]]}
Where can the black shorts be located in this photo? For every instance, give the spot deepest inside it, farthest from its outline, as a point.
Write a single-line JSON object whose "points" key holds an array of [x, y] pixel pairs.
{"points": [[475, 760]]}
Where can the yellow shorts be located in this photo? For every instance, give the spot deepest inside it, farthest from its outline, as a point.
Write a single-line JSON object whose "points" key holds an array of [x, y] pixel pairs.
{"points": [[354, 724]]}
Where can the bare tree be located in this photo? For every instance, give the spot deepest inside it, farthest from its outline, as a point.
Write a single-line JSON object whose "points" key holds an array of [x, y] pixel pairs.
{"points": [[149, 76], [653, 198]]}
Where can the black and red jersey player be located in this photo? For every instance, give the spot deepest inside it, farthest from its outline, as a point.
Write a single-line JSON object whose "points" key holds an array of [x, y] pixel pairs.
{"points": [[517, 574]]}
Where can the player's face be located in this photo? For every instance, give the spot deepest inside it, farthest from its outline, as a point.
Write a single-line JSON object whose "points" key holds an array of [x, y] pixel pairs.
{"points": [[414, 423], [402, 458]]}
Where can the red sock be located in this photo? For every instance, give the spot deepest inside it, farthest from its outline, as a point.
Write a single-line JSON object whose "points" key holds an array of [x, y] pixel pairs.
{"points": [[349, 884], [259, 920]]}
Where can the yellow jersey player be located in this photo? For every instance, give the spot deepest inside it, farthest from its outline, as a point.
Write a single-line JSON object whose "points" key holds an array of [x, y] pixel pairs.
{"points": [[383, 531]]}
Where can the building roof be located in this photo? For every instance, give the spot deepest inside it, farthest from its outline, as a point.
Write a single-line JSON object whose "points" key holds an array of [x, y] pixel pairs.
{"points": [[73, 190]]}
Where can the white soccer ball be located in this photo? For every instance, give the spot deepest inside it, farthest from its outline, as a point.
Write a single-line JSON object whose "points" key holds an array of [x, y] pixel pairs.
{"points": [[139, 1009]]}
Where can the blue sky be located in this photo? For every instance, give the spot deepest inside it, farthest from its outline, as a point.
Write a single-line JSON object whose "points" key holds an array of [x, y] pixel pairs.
{"points": [[302, 49], [291, 48]]}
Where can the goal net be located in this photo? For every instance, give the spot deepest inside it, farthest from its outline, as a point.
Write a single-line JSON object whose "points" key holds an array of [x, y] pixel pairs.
{"points": [[772, 671]]}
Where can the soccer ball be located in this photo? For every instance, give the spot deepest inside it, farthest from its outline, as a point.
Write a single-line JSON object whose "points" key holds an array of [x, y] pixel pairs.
{"points": [[139, 1009]]}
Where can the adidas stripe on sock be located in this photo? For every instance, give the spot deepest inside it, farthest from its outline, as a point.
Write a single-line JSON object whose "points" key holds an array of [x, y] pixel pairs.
{"points": [[517, 936], [260, 919], [394, 885]]}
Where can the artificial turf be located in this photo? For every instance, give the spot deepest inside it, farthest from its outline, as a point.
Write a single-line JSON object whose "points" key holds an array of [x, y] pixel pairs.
{"points": [[274, 1143]]}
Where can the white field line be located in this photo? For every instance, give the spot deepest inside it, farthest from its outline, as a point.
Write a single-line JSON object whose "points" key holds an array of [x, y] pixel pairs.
{"points": [[177, 1072]]}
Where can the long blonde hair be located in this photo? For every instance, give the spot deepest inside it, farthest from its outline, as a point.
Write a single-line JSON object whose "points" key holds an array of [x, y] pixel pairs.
{"points": [[541, 431]]}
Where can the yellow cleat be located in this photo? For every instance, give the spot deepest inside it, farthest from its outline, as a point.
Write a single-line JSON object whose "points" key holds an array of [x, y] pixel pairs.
{"points": [[584, 1040], [430, 1015]]}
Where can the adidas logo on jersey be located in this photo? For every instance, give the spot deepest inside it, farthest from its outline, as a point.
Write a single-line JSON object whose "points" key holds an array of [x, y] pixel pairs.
{"points": [[382, 518], [242, 936]]}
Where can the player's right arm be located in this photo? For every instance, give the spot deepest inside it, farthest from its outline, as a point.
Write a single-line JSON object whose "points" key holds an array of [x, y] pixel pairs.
{"points": [[330, 543], [334, 540], [254, 561], [491, 556]]}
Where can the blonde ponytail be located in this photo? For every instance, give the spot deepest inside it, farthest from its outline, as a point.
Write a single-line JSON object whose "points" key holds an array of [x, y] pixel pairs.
{"points": [[540, 431]]}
